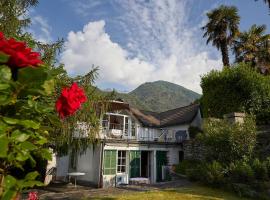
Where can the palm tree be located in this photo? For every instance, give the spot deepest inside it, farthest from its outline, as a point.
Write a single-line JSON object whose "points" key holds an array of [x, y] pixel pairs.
{"points": [[222, 29], [253, 46]]}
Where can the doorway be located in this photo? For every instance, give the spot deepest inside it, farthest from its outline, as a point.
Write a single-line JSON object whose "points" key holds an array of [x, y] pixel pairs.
{"points": [[145, 164], [181, 156]]}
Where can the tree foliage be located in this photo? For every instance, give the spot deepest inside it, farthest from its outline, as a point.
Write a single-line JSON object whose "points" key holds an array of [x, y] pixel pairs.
{"points": [[238, 89], [253, 46], [222, 28], [13, 16]]}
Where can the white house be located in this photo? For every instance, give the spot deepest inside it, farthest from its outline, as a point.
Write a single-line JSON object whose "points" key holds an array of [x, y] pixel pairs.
{"points": [[133, 143]]}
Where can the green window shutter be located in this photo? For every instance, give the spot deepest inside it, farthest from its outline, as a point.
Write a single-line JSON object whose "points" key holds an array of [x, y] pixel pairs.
{"points": [[109, 162], [134, 163], [161, 159]]}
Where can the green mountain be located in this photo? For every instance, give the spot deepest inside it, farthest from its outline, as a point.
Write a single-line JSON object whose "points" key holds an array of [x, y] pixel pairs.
{"points": [[159, 96]]}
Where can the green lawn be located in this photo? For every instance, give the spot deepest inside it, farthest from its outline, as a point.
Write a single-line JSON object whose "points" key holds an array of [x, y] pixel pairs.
{"points": [[187, 193]]}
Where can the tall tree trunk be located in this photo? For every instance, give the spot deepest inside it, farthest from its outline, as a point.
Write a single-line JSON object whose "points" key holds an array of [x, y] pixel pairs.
{"points": [[225, 54]]}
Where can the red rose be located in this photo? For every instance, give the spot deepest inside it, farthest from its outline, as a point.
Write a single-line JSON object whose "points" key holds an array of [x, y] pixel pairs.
{"points": [[70, 100], [20, 55], [32, 196]]}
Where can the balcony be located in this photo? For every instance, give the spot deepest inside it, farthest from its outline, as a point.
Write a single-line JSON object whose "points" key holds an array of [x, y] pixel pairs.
{"points": [[116, 126]]}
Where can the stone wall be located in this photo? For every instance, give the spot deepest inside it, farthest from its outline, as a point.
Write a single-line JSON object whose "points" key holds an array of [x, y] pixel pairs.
{"points": [[193, 150]]}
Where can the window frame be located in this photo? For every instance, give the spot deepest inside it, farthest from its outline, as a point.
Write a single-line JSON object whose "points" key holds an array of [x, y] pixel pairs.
{"points": [[112, 156], [120, 160]]}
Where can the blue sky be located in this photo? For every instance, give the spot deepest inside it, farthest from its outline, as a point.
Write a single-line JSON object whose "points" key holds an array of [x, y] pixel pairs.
{"points": [[135, 41]]}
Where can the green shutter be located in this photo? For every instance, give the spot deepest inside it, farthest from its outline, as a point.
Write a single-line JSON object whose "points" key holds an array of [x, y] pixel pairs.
{"points": [[134, 163], [161, 159], [109, 162]]}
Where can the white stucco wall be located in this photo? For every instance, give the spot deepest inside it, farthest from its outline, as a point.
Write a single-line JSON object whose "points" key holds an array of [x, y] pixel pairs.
{"points": [[62, 164], [173, 155], [89, 163]]}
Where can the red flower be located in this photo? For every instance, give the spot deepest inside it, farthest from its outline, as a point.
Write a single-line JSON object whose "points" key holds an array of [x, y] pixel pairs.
{"points": [[70, 100], [20, 55], [32, 196]]}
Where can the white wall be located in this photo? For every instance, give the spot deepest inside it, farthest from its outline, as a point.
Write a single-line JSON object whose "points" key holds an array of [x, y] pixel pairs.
{"points": [[173, 155], [62, 165], [89, 163]]}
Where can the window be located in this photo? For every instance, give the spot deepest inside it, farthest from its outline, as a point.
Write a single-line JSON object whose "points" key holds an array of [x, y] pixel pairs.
{"points": [[133, 130], [109, 162], [121, 163], [126, 126], [105, 122]]}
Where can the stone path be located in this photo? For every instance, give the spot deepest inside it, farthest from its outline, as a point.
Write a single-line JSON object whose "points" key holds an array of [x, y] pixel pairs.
{"points": [[68, 192]]}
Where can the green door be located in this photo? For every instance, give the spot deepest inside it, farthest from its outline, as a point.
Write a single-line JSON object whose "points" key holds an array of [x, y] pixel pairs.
{"points": [[134, 163], [161, 159]]}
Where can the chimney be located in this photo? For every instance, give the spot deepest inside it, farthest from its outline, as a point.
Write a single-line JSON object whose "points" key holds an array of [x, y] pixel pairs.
{"points": [[235, 117]]}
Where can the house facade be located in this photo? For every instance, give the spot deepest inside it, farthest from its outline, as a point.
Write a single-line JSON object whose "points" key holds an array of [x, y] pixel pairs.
{"points": [[134, 144]]}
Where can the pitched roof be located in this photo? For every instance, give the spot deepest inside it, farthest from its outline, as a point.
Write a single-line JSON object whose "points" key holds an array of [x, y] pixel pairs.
{"points": [[178, 116]]}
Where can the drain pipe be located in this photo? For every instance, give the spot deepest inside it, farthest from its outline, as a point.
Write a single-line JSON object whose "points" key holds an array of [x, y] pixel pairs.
{"points": [[100, 182]]}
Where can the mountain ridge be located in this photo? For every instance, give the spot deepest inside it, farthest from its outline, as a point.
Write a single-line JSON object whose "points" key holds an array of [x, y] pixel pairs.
{"points": [[159, 96]]}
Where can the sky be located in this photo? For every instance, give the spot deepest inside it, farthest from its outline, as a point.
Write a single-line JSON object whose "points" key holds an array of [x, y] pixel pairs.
{"points": [[137, 41]]}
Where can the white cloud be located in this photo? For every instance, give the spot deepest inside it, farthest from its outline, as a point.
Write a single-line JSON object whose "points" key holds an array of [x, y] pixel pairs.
{"points": [[94, 46], [83, 7], [161, 45], [41, 29]]}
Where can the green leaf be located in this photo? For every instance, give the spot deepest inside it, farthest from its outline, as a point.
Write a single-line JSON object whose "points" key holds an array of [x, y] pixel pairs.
{"points": [[29, 124], [11, 121], [41, 140], [4, 86], [31, 176], [49, 86], [9, 181], [19, 136], [22, 157], [3, 127], [9, 194], [4, 58], [28, 146], [5, 73], [33, 76], [3, 146], [30, 184], [45, 153]]}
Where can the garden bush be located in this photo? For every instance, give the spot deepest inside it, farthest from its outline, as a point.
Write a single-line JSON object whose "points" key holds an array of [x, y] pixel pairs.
{"points": [[260, 169], [183, 166], [241, 172], [267, 164], [226, 142], [239, 88], [193, 131], [213, 174]]}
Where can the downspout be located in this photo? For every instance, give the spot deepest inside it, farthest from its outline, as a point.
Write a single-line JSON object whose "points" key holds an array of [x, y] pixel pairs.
{"points": [[100, 182]]}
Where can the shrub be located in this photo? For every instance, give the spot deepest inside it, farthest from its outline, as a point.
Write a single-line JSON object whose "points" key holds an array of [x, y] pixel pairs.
{"points": [[213, 174], [193, 131], [226, 142], [236, 89], [243, 190], [194, 174], [241, 172], [183, 166], [267, 164], [260, 169]]}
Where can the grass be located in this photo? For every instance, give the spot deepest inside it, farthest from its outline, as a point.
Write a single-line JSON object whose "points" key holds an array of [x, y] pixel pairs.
{"points": [[185, 193]]}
